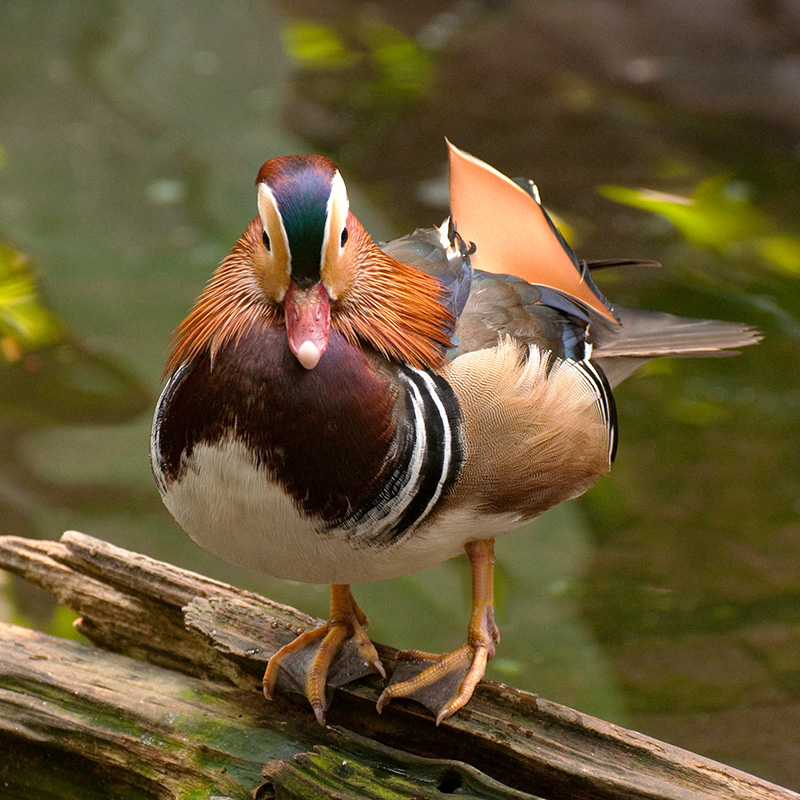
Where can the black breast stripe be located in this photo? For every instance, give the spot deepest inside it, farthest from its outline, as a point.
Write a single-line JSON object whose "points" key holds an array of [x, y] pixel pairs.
{"points": [[605, 398], [166, 465], [427, 461]]}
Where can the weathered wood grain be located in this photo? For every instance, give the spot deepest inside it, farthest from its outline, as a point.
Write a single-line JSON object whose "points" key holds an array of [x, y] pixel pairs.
{"points": [[171, 683]]}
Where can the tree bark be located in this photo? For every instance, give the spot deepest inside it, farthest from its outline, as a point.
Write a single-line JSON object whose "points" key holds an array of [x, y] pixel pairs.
{"points": [[165, 702]]}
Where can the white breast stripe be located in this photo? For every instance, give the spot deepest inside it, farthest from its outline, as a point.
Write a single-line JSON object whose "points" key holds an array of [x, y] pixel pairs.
{"points": [[406, 495], [605, 402], [447, 440], [422, 466], [384, 515]]}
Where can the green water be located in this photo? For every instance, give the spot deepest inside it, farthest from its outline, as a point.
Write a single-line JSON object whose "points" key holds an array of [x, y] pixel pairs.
{"points": [[668, 598]]}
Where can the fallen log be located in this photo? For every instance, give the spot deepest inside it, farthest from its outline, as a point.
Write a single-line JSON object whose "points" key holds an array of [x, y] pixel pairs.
{"points": [[165, 702]]}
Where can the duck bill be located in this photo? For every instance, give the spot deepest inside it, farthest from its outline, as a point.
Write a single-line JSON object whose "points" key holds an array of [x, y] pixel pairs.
{"points": [[308, 322]]}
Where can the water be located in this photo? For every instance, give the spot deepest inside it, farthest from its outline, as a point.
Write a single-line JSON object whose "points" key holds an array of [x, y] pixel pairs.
{"points": [[668, 598]]}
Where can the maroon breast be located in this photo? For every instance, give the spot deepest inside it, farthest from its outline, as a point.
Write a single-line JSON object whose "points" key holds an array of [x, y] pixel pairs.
{"points": [[325, 435]]}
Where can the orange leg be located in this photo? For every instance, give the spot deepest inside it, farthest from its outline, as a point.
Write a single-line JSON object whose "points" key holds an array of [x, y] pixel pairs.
{"points": [[440, 686], [347, 621]]}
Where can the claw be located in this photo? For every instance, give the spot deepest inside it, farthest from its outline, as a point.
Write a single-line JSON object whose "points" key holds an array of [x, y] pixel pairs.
{"points": [[331, 655]]}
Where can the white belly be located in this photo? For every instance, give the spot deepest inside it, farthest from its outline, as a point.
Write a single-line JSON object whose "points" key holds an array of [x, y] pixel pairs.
{"points": [[229, 507]]}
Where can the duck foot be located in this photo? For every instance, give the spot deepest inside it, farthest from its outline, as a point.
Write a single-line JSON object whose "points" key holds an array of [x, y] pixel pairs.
{"points": [[319, 660], [445, 683], [442, 683]]}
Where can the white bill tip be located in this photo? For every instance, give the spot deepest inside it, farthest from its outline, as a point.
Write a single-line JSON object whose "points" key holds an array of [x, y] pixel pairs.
{"points": [[308, 354]]}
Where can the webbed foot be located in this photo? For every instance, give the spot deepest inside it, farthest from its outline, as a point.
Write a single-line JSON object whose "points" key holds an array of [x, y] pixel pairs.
{"points": [[445, 683], [333, 654]]}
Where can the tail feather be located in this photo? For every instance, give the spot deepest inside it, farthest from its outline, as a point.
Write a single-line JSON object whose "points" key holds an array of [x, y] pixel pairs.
{"points": [[606, 263], [652, 334]]}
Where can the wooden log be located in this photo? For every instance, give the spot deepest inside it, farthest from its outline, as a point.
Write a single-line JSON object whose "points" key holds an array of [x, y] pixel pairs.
{"points": [[109, 725], [166, 703]]}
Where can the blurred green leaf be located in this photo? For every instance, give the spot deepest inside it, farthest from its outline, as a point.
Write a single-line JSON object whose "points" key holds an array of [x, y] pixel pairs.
{"points": [[405, 67], [317, 46], [782, 251], [715, 216], [25, 324], [719, 216], [399, 66]]}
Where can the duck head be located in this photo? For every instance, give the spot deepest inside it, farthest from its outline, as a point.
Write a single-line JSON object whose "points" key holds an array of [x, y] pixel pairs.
{"points": [[307, 255], [307, 263]]}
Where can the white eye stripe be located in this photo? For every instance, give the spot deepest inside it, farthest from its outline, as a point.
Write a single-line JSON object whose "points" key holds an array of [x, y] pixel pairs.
{"points": [[336, 217], [272, 222]]}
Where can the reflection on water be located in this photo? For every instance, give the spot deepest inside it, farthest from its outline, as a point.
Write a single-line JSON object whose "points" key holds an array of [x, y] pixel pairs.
{"points": [[667, 599]]}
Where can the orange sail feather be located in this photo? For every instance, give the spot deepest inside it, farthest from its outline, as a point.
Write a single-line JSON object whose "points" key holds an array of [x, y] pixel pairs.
{"points": [[511, 233]]}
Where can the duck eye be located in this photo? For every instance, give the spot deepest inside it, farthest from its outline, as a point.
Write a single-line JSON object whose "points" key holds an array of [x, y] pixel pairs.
{"points": [[344, 237], [265, 239]]}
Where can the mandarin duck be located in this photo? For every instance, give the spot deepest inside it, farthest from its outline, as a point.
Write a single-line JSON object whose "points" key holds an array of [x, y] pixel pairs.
{"points": [[341, 412]]}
